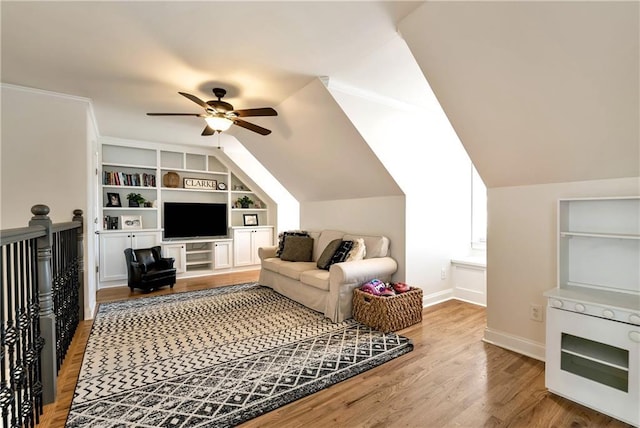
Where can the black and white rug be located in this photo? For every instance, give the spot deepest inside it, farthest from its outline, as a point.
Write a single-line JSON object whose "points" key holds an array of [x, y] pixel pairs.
{"points": [[215, 358]]}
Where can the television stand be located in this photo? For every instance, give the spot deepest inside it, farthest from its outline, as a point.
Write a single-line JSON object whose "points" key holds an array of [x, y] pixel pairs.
{"points": [[199, 256]]}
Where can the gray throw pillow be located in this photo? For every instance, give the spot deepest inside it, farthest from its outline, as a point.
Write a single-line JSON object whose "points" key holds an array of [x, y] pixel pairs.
{"points": [[324, 261], [297, 249]]}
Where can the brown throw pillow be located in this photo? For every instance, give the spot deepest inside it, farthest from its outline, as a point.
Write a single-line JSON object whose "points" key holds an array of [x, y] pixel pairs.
{"points": [[324, 261], [297, 249]]}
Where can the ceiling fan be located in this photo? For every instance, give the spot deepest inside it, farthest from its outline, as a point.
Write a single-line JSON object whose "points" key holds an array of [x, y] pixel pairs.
{"points": [[220, 115]]}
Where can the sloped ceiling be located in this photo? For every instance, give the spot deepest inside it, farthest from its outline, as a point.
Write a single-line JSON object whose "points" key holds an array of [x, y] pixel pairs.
{"points": [[318, 152], [538, 92], [130, 58]]}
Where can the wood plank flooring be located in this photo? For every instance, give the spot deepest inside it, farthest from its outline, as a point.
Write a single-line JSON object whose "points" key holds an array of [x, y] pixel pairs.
{"points": [[451, 379]]}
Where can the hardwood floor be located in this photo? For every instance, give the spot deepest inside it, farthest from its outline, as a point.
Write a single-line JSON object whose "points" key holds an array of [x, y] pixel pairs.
{"points": [[451, 378]]}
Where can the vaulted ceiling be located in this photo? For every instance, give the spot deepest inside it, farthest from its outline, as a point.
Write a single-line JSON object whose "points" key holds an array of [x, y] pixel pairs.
{"points": [[537, 91]]}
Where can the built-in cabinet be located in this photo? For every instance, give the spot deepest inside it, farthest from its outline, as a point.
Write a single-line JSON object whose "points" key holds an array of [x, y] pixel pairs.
{"points": [[112, 245], [246, 242], [157, 173], [593, 314]]}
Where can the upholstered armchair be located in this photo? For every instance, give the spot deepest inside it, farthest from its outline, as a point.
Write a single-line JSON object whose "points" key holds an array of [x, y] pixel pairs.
{"points": [[148, 270]]}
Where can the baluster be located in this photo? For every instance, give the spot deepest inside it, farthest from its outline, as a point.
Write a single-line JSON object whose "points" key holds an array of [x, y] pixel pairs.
{"points": [[5, 391], [47, 315]]}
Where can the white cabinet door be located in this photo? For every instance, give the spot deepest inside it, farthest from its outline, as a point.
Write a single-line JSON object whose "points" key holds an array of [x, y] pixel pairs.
{"points": [[242, 254], [246, 243], [261, 238], [112, 262], [178, 252], [144, 239], [222, 255], [112, 245]]}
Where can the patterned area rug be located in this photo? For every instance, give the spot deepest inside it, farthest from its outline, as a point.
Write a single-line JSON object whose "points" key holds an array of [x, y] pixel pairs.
{"points": [[215, 358]]}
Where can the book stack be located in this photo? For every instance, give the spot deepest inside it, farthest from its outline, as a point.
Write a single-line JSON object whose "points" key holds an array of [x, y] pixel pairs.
{"points": [[116, 178]]}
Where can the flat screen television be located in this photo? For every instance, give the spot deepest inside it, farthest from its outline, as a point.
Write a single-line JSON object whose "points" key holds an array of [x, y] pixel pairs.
{"points": [[194, 220]]}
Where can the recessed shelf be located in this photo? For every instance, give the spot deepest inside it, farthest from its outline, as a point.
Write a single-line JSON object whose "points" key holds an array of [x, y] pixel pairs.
{"points": [[127, 165], [193, 171], [117, 186], [129, 208], [599, 235]]}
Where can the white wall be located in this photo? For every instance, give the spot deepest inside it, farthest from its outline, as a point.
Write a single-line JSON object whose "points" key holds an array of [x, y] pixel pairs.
{"points": [[44, 155], [522, 255], [367, 216], [413, 139], [45, 161]]}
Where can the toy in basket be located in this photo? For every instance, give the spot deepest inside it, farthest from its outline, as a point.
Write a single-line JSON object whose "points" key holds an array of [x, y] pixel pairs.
{"points": [[387, 307]]}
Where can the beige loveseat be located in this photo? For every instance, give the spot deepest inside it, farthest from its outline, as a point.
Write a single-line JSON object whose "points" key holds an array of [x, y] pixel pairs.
{"points": [[327, 291]]}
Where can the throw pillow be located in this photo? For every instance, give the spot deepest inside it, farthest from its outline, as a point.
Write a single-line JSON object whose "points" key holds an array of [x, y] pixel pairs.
{"points": [[297, 249], [283, 236], [341, 253], [324, 261], [358, 252]]}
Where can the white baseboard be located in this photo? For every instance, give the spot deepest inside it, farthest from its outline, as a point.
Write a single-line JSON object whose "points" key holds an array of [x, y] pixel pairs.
{"points": [[514, 343], [470, 296], [435, 298]]}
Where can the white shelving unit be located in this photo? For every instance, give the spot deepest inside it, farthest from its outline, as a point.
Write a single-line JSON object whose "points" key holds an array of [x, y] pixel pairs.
{"points": [[148, 164], [593, 321]]}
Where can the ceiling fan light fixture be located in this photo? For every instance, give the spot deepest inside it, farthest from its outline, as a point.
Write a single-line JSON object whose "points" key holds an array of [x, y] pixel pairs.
{"points": [[218, 123]]}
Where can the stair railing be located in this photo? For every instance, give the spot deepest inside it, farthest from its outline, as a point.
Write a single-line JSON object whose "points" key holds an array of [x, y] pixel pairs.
{"points": [[41, 304]]}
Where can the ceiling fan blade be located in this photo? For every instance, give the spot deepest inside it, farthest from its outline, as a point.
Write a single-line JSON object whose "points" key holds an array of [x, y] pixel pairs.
{"points": [[175, 114], [251, 127], [208, 131], [195, 99], [265, 111]]}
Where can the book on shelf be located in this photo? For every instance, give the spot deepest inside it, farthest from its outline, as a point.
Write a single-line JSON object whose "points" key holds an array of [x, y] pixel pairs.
{"points": [[118, 178]]}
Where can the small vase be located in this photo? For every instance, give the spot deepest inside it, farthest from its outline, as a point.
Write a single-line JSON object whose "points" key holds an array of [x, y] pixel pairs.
{"points": [[171, 179]]}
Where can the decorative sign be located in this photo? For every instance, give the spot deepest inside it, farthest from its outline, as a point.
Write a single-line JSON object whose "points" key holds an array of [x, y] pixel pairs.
{"points": [[200, 183]]}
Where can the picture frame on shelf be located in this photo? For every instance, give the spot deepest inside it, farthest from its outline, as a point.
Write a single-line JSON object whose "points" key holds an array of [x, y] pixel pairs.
{"points": [[131, 222], [113, 199], [250, 219]]}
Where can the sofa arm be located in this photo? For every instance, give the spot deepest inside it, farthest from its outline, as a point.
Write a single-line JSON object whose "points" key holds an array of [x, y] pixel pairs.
{"points": [[345, 277], [361, 271], [267, 252]]}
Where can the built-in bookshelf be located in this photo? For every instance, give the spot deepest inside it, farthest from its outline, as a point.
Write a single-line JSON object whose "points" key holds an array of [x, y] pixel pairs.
{"points": [[156, 174]]}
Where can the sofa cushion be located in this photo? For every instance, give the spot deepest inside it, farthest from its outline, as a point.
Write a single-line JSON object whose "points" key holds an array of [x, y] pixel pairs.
{"points": [[324, 261], [272, 263], [317, 278], [377, 246], [294, 269], [297, 249]]}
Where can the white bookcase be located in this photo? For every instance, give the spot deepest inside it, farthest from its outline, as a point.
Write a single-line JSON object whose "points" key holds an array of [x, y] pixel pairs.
{"points": [[130, 167]]}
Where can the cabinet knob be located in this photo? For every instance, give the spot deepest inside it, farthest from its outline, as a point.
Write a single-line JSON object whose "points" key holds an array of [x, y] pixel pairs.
{"points": [[608, 313], [580, 307], [635, 319], [556, 303]]}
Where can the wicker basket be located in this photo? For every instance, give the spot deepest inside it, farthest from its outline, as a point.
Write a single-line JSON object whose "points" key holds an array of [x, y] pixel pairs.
{"points": [[388, 313]]}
